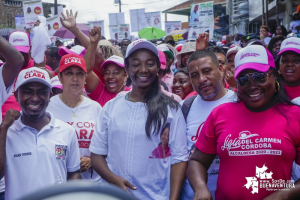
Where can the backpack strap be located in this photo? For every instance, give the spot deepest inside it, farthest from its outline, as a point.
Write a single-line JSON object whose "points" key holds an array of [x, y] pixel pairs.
{"points": [[186, 106]]}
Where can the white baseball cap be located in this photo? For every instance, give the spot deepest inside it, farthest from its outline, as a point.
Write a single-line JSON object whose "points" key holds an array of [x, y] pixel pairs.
{"points": [[232, 50], [33, 74], [55, 83], [164, 48], [79, 50], [253, 57], [141, 44], [20, 40], [290, 44], [114, 59]]}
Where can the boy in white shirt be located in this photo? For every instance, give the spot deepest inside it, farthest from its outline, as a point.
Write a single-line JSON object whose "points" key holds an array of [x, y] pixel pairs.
{"points": [[36, 150]]}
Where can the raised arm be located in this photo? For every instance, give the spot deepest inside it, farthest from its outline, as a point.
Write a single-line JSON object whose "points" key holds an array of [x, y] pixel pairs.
{"points": [[197, 173], [69, 22], [14, 62], [10, 117], [202, 41], [92, 80]]}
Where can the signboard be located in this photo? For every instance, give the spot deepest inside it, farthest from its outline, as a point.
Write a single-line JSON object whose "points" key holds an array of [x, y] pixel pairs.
{"points": [[20, 23], [202, 17], [32, 9], [137, 19], [116, 18], [53, 24], [172, 26], [97, 23], [124, 32], [153, 19], [194, 33], [113, 31]]}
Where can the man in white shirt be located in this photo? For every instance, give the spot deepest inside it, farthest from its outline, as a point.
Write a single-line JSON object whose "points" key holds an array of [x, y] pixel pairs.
{"points": [[194, 14], [206, 74], [36, 150], [8, 73]]}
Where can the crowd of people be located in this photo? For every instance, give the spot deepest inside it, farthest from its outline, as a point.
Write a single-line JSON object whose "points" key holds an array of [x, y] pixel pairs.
{"points": [[161, 121]]}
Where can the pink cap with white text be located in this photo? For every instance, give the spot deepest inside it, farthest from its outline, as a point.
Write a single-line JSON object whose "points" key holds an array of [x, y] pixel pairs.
{"points": [[20, 40], [114, 59], [290, 44], [253, 57]]}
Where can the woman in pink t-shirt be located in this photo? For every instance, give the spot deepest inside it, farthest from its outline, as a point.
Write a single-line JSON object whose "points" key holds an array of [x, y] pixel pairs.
{"points": [[114, 73], [289, 66], [257, 138]]}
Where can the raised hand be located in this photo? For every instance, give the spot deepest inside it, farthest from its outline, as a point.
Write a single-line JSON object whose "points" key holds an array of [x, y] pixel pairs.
{"points": [[10, 117], [202, 41], [68, 21], [95, 34]]}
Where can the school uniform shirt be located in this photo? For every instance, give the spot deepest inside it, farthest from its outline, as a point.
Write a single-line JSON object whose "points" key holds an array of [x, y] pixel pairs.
{"points": [[256, 149], [196, 118], [34, 159], [86, 114], [121, 136], [102, 95], [4, 94]]}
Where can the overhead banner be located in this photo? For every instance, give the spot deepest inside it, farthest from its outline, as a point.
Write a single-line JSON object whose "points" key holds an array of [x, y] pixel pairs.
{"points": [[53, 24], [59, 10], [20, 23], [137, 19], [124, 32], [113, 31], [202, 17], [32, 10], [97, 23], [153, 19], [172, 26], [116, 18]]}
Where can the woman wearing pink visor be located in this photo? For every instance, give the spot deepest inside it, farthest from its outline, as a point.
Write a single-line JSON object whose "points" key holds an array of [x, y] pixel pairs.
{"points": [[114, 73], [256, 138], [289, 67]]}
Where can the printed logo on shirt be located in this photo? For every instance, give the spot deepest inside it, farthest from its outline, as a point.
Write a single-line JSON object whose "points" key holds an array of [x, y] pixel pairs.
{"points": [[163, 150], [61, 152], [264, 180], [248, 144], [84, 132], [195, 137]]}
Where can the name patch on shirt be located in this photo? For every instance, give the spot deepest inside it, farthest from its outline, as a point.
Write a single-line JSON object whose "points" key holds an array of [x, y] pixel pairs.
{"points": [[61, 152], [22, 154]]}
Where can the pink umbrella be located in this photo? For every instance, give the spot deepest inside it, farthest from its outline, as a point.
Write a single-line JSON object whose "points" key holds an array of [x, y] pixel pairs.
{"points": [[62, 32]]}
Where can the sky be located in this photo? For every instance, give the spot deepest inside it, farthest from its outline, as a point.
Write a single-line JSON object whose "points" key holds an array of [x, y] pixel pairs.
{"points": [[90, 10]]}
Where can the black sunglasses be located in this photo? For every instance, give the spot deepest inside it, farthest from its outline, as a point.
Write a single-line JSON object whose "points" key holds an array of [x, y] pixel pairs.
{"points": [[258, 77]]}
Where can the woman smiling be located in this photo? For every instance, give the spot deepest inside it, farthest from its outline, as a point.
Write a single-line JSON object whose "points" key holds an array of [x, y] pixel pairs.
{"points": [[256, 138]]}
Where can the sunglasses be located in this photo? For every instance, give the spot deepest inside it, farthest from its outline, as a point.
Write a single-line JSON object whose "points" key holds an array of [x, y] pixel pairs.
{"points": [[258, 77]]}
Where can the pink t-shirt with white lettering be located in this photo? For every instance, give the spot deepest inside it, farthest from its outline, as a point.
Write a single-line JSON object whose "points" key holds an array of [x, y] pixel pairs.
{"points": [[253, 147]]}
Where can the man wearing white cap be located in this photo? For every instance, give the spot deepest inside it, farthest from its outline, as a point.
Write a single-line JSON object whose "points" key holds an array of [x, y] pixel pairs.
{"points": [[36, 150], [8, 73]]}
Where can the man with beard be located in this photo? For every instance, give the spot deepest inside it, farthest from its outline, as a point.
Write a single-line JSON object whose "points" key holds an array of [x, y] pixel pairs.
{"points": [[206, 74], [36, 150]]}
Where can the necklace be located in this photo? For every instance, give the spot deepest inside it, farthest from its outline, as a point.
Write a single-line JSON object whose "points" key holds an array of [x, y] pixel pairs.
{"points": [[76, 106]]}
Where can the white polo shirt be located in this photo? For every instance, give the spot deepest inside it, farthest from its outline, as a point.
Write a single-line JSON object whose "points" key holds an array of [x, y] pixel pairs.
{"points": [[34, 159], [4, 94]]}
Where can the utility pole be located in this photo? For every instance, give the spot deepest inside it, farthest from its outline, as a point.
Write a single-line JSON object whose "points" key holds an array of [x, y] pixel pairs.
{"points": [[55, 7], [120, 6], [263, 13]]}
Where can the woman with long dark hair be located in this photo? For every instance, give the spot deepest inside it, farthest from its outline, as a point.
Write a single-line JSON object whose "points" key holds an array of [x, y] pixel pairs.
{"points": [[281, 30], [274, 45], [257, 139], [129, 131]]}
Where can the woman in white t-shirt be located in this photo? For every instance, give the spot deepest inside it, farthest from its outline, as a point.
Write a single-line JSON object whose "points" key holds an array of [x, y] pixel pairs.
{"points": [[131, 128], [77, 110]]}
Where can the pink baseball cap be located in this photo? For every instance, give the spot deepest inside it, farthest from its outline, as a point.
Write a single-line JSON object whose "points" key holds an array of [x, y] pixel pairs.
{"points": [[20, 40], [79, 50], [114, 59], [290, 44], [55, 83], [253, 57], [162, 59], [141, 44], [33, 74]]}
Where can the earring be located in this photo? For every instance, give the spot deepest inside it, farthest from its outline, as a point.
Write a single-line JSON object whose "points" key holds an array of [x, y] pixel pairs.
{"points": [[279, 72], [277, 87]]}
